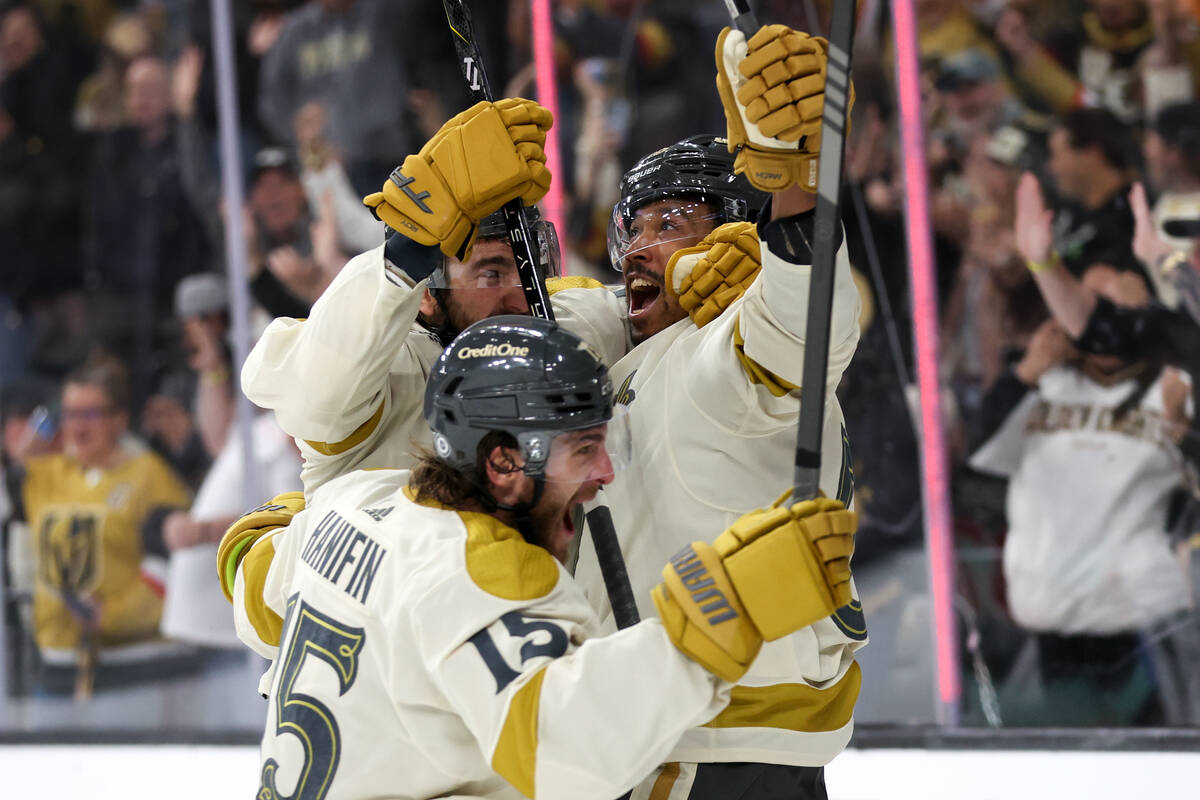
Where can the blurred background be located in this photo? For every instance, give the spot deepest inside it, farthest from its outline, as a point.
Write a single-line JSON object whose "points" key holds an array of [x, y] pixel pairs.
{"points": [[116, 325]]}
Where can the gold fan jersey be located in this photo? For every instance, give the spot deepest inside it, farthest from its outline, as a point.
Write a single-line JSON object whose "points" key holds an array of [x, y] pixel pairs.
{"points": [[432, 653], [714, 417], [87, 537], [349, 382]]}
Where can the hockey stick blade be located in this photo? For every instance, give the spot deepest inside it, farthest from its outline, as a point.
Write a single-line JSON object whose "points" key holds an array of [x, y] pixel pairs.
{"points": [[612, 567], [458, 18], [806, 484]]}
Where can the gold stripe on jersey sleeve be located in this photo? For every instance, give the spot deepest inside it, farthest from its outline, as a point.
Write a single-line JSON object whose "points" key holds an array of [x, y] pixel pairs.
{"points": [[665, 781], [360, 433], [755, 371], [556, 285], [515, 756], [267, 624], [499, 560], [792, 706]]}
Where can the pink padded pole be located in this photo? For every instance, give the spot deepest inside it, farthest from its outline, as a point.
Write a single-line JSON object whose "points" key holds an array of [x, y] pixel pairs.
{"points": [[939, 542], [547, 92]]}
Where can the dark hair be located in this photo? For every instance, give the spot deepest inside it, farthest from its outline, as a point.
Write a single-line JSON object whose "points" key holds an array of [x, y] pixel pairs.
{"points": [[109, 373], [1179, 127], [1100, 128], [433, 479]]}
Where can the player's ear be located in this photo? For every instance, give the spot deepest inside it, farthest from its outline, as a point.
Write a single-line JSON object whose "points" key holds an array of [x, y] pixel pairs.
{"points": [[429, 308], [504, 472]]}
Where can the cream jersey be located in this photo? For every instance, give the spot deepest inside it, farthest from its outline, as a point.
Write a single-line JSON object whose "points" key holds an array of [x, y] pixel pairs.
{"points": [[349, 382], [432, 653], [1087, 550], [714, 436]]}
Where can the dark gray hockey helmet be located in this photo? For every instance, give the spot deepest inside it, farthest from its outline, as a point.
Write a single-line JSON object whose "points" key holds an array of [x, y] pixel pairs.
{"points": [[699, 168], [521, 375]]}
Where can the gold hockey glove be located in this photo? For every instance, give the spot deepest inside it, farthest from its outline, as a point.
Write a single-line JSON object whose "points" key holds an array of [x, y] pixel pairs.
{"points": [[708, 277], [773, 572], [479, 160], [773, 91], [274, 514]]}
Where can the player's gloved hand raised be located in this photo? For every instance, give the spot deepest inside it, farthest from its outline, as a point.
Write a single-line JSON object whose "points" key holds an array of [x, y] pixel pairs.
{"points": [[773, 91], [249, 528], [479, 160], [773, 572], [707, 278]]}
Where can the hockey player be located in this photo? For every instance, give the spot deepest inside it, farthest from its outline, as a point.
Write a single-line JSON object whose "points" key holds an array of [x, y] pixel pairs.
{"points": [[347, 382], [714, 401], [736, 416], [434, 647]]}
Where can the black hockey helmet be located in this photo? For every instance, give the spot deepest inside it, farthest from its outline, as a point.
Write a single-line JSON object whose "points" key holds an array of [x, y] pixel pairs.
{"points": [[524, 376], [699, 168]]}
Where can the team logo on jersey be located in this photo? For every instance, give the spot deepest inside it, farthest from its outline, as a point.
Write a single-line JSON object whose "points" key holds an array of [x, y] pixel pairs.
{"points": [[69, 550], [851, 621], [626, 395], [119, 496]]}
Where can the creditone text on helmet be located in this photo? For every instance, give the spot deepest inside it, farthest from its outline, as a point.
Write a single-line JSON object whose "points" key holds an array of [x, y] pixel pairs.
{"points": [[489, 350]]}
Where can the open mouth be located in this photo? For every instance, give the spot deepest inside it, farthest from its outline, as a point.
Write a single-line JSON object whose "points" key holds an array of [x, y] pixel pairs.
{"points": [[643, 294]]}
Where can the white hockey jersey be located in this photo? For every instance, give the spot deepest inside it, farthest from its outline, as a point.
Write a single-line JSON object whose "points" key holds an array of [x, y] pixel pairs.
{"points": [[714, 436], [1087, 550], [432, 653], [349, 382]]}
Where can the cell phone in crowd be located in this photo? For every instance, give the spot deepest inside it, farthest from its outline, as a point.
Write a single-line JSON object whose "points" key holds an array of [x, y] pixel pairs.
{"points": [[41, 424]]}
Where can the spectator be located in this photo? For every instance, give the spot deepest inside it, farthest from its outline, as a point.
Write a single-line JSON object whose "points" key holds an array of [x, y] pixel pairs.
{"points": [[188, 419], [1088, 564], [356, 59], [1095, 61], [1091, 165], [1171, 148], [95, 513], [100, 106], [294, 251], [143, 234]]}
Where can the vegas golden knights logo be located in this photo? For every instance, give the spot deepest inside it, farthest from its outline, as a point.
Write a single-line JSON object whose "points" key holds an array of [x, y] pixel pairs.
{"points": [[625, 394], [69, 550]]}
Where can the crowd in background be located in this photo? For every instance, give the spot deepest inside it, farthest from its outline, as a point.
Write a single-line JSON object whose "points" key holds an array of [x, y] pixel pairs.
{"points": [[114, 321]]}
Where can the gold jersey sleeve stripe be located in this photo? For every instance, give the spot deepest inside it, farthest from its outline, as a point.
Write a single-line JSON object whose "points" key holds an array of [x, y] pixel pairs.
{"points": [[356, 438], [267, 624], [515, 756], [665, 781], [792, 706], [555, 285], [756, 372]]}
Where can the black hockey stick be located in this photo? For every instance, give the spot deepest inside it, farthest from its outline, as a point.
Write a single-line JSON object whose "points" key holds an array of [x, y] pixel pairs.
{"points": [[743, 18], [612, 567], [806, 484], [459, 19]]}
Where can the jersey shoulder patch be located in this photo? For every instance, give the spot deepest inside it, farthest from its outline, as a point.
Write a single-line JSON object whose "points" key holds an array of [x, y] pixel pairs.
{"points": [[499, 560]]}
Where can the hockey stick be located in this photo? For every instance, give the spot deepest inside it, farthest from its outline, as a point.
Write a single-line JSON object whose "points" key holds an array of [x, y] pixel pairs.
{"points": [[604, 536], [743, 18], [458, 17], [806, 484]]}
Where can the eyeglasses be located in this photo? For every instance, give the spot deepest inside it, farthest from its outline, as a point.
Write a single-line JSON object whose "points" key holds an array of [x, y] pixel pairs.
{"points": [[86, 414]]}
